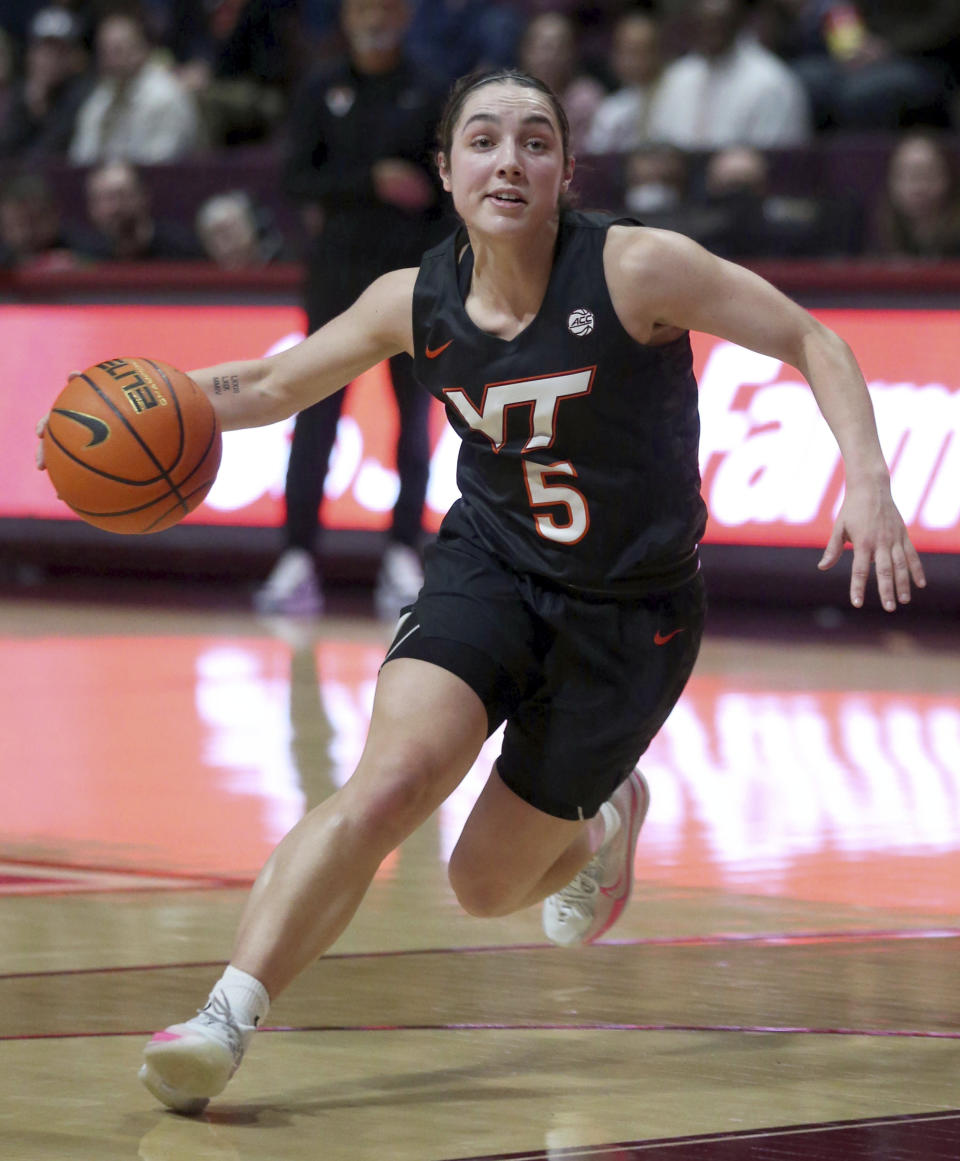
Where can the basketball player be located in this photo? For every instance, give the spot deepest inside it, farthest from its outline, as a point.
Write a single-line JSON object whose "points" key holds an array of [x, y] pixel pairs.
{"points": [[563, 594]]}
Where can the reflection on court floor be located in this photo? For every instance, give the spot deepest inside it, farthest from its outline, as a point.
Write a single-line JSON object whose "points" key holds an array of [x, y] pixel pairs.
{"points": [[805, 792], [784, 984]]}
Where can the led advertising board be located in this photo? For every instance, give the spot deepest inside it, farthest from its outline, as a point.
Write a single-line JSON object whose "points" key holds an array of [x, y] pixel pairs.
{"points": [[771, 469]]}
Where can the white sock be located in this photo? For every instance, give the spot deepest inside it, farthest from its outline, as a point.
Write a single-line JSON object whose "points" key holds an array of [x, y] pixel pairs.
{"points": [[611, 822], [245, 994]]}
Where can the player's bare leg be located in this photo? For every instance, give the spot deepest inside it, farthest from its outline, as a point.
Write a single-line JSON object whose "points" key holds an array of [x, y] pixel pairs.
{"points": [[425, 732], [583, 870], [492, 876]]}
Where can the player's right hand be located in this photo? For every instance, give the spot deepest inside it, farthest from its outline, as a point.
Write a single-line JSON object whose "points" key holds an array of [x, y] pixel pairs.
{"points": [[41, 428]]}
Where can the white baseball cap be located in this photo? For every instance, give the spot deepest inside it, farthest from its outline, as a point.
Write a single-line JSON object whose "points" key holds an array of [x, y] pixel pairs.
{"points": [[54, 24]]}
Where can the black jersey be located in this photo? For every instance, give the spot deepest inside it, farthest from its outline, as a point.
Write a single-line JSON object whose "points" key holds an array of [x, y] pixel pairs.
{"points": [[579, 448]]}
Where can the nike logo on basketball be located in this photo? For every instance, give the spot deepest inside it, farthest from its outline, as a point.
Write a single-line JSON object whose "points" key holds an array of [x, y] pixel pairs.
{"points": [[99, 430], [662, 638], [432, 352]]}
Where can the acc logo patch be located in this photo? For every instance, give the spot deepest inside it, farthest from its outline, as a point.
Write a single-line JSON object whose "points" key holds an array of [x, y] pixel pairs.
{"points": [[580, 322]]}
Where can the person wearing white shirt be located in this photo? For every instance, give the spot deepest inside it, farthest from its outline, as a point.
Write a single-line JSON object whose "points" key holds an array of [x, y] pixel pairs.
{"points": [[730, 90], [138, 111], [621, 121]]}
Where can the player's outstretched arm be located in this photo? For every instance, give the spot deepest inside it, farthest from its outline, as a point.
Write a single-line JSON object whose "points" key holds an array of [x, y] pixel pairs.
{"points": [[663, 279], [256, 392]]}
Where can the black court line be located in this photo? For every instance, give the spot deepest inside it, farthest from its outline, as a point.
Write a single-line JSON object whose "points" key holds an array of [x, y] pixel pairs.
{"points": [[913, 1137]]}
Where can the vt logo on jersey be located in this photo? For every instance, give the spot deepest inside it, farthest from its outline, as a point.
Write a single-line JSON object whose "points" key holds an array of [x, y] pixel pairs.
{"points": [[542, 395]]}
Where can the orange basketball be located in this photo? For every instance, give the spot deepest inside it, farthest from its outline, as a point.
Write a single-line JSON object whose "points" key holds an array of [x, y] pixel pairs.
{"points": [[132, 445]]}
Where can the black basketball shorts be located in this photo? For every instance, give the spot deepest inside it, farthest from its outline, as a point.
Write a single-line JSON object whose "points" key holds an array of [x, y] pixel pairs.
{"points": [[583, 683]]}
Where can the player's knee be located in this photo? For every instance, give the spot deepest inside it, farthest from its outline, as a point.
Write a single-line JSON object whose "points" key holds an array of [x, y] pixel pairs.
{"points": [[400, 797], [479, 892]]}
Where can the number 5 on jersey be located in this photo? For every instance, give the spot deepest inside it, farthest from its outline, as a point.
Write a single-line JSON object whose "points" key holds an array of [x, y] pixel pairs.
{"points": [[543, 494], [542, 396]]}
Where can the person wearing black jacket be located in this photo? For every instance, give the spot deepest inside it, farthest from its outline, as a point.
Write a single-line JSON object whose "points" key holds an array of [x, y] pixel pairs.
{"points": [[360, 135], [40, 119]]}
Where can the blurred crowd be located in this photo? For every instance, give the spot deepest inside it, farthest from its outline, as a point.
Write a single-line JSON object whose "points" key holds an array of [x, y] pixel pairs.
{"points": [[690, 105]]}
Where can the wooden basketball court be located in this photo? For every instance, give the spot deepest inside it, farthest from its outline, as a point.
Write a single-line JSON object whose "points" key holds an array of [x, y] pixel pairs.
{"points": [[784, 985]]}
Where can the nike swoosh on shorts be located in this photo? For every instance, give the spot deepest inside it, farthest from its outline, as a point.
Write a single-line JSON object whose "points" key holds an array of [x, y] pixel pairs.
{"points": [[396, 645]]}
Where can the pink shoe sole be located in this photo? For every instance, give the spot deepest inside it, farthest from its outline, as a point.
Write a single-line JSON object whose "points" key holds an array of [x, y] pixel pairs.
{"points": [[620, 891]]}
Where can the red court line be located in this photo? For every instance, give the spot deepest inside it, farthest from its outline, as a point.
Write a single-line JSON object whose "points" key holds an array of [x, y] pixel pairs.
{"points": [[140, 967], [67, 893], [7, 881], [766, 939], [599, 1026], [848, 1132], [771, 939], [611, 1026], [133, 872], [81, 887]]}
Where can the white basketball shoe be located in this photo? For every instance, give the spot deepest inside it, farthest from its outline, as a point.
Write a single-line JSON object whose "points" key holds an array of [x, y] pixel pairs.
{"points": [[293, 586], [594, 899], [187, 1064]]}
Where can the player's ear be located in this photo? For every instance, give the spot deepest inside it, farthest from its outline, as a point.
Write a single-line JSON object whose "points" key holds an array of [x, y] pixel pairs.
{"points": [[443, 169]]}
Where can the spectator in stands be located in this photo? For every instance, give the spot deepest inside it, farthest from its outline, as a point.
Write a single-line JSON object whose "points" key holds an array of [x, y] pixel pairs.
{"points": [[548, 50], [42, 113], [879, 64], [918, 214], [17, 15], [241, 59], [742, 218], [450, 38], [359, 163], [31, 235], [138, 111], [657, 186], [319, 20], [235, 234], [7, 89], [621, 122], [728, 206], [123, 223], [729, 90]]}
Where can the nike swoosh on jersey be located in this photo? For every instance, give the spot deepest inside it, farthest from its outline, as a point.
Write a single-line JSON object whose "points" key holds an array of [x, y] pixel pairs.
{"points": [[432, 352], [662, 638], [99, 430]]}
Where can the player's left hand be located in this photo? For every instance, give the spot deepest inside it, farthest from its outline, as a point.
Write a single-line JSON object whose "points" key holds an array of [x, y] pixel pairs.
{"points": [[870, 522]]}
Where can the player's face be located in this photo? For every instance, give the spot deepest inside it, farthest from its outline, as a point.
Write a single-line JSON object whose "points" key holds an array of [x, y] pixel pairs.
{"points": [[506, 168]]}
